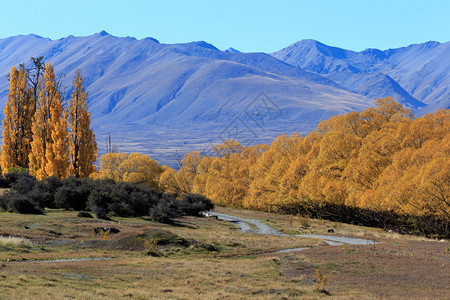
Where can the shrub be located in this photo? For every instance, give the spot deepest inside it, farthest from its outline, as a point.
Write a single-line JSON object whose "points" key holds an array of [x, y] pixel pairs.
{"points": [[14, 202], [39, 198], [47, 189], [103, 197], [70, 197], [164, 212], [194, 204], [24, 205], [321, 280], [132, 200], [73, 194], [98, 203], [3, 182], [100, 212], [20, 181]]}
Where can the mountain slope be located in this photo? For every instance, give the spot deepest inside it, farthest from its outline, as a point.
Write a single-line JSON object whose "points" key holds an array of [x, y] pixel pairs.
{"points": [[155, 98], [413, 74]]}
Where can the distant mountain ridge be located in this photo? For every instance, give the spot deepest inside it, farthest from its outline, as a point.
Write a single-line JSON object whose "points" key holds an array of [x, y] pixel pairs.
{"points": [[412, 74], [158, 98]]}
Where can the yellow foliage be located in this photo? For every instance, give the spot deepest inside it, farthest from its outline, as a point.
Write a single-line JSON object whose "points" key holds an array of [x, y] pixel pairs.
{"points": [[141, 169], [380, 159], [18, 111], [83, 147], [134, 168], [49, 148], [321, 280]]}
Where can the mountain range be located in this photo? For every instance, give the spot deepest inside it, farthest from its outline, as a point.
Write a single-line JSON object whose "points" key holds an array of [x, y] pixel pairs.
{"points": [[163, 99], [417, 75]]}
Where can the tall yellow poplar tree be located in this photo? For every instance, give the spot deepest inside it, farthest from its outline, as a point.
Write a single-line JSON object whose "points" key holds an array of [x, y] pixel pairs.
{"points": [[18, 111], [49, 148], [83, 147]]}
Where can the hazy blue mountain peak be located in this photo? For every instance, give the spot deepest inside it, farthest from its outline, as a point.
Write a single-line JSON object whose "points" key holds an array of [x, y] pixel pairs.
{"points": [[420, 71], [232, 50]]}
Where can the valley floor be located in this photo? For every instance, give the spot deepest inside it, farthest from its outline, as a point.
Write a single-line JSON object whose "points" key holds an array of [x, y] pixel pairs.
{"points": [[206, 258]]}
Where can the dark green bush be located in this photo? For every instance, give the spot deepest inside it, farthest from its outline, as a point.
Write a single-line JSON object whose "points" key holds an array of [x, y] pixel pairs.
{"points": [[73, 194], [100, 198], [194, 204], [24, 184], [103, 197], [165, 211], [12, 201], [47, 188], [3, 183], [20, 181], [70, 197]]}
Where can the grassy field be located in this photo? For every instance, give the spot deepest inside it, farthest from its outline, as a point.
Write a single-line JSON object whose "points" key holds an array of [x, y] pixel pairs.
{"points": [[205, 258]]}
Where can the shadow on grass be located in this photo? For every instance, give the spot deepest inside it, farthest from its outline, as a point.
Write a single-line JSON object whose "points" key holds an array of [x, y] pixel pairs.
{"points": [[174, 223]]}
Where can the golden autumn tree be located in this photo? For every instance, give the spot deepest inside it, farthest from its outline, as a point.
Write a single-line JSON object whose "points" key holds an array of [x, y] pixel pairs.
{"points": [[58, 150], [141, 169], [109, 166], [363, 169], [267, 173], [8, 155], [49, 148], [183, 180], [82, 144], [18, 111], [381, 159], [135, 168]]}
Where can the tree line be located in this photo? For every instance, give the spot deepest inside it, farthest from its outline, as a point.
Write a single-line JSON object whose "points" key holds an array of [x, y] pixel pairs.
{"points": [[381, 167], [39, 134]]}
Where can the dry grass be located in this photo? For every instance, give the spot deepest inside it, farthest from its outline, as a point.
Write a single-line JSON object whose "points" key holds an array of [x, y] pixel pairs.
{"points": [[216, 263], [399, 269], [14, 241]]}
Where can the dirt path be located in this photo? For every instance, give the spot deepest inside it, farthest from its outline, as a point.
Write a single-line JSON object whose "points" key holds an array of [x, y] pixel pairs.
{"points": [[262, 228], [244, 226]]}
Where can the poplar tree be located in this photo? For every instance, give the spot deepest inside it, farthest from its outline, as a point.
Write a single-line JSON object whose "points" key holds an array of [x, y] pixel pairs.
{"points": [[18, 111], [49, 148], [83, 147], [57, 151]]}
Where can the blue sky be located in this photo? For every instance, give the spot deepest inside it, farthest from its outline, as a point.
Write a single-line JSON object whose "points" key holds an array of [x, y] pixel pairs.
{"points": [[246, 25]]}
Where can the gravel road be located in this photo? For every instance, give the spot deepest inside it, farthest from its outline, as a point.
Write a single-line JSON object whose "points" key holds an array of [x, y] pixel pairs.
{"points": [[262, 228], [244, 224]]}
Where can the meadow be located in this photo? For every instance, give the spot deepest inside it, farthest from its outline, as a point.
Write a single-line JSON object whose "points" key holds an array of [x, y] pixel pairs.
{"points": [[199, 257]]}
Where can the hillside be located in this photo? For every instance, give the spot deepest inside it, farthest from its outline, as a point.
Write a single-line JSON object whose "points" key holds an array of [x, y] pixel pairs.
{"points": [[155, 98], [159, 99], [414, 74]]}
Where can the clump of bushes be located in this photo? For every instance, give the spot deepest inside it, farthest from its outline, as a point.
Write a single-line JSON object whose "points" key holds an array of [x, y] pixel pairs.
{"points": [[20, 198], [165, 211], [103, 197], [194, 204], [13, 201]]}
